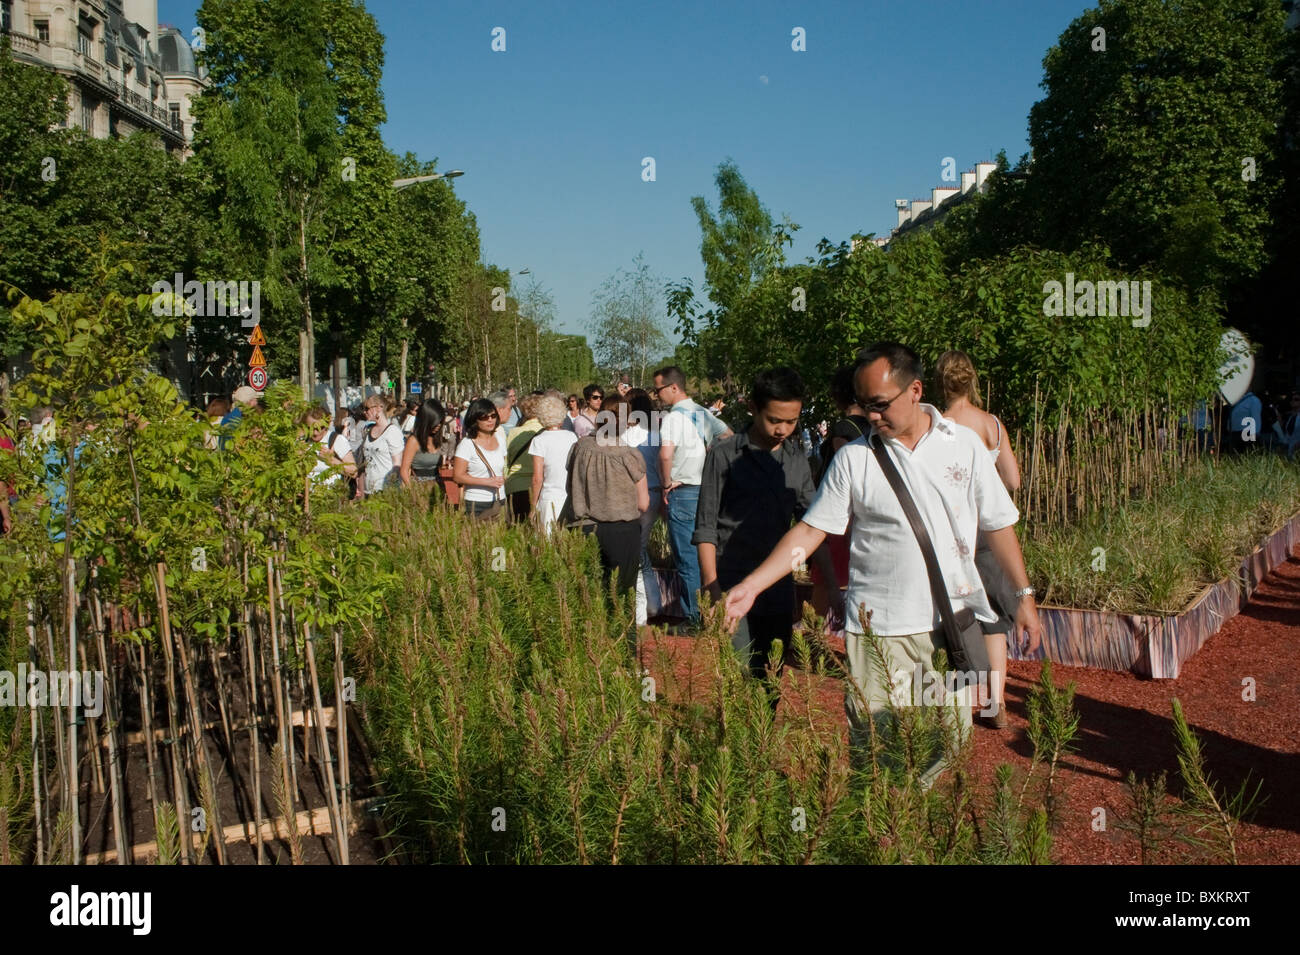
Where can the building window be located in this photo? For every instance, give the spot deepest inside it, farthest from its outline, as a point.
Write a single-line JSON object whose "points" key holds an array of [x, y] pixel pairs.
{"points": [[6, 16], [86, 36], [88, 114], [174, 111], [42, 30]]}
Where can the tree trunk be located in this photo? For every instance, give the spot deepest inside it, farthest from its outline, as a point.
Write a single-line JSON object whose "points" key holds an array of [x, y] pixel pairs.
{"points": [[308, 342], [406, 344]]}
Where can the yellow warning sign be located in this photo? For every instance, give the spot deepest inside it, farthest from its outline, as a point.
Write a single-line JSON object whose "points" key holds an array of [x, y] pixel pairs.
{"points": [[258, 360], [257, 338]]}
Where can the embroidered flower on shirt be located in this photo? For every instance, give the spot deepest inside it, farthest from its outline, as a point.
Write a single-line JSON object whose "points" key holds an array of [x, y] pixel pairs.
{"points": [[961, 548], [965, 590], [957, 475]]}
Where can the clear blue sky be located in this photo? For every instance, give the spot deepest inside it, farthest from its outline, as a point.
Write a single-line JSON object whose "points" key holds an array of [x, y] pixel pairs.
{"points": [[551, 133]]}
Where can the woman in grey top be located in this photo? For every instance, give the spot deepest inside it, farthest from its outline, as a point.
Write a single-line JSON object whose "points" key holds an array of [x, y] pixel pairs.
{"points": [[422, 457], [607, 493]]}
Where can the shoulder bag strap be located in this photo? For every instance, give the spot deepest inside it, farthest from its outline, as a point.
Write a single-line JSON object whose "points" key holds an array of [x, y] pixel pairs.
{"points": [[479, 452], [937, 588], [524, 446]]}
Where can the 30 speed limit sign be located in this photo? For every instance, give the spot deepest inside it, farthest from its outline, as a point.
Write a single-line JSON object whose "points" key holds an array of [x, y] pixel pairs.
{"points": [[257, 378]]}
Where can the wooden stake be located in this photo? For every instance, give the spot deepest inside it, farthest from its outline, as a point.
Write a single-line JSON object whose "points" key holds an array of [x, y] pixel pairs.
{"points": [[180, 795], [38, 781], [117, 780], [339, 831]]}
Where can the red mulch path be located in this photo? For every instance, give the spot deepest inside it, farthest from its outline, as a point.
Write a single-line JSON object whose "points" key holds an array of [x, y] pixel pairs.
{"points": [[1126, 724]]}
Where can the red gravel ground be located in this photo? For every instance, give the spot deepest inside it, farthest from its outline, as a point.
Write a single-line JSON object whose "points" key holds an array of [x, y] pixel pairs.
{"points": [[1126, 725]]}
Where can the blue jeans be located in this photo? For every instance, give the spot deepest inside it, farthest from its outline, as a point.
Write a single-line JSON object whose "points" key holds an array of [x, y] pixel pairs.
{"points": [[681, 525]]}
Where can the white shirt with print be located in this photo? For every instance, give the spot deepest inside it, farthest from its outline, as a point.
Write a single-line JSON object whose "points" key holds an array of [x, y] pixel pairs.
{"points": [[957, 492]]}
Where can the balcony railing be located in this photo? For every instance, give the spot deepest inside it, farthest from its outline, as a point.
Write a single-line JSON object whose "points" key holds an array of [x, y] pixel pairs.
{"points": [[27, 45]]}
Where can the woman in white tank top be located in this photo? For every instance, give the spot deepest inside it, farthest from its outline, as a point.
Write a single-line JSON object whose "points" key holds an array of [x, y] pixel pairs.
{"points": [[959, 386]]}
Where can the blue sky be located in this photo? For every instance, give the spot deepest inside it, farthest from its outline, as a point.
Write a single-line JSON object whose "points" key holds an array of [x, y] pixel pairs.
{"points": [[551, 133]]}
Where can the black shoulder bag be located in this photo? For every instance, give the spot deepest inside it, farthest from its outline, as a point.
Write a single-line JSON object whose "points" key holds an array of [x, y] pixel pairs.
{"points": [[962, 633]]}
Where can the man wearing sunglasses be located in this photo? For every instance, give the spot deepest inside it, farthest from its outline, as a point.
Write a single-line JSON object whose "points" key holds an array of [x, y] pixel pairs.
{"points": [[957, 491]]}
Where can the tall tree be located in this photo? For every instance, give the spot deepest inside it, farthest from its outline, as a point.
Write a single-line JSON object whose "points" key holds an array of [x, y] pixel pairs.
{"points": [[289, 132], [627, 321], [1156, 117], [433, 246]]}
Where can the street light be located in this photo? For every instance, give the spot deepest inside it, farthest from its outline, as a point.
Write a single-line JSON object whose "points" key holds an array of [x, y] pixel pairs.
{"points": [[403, 183]]}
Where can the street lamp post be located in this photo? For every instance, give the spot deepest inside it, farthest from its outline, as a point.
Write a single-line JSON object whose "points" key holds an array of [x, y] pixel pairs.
{"points": [[404, 183]]}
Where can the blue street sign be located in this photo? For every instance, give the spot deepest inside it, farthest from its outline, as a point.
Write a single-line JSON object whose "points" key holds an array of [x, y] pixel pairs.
{"points": [[417, 388]]}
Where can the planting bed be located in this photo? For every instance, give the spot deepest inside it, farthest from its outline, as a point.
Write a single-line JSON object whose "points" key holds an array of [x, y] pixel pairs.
{"points": [[1125, 725]]}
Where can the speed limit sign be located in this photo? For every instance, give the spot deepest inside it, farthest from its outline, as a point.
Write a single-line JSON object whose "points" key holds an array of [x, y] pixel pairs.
{"points": [[257, 378]]}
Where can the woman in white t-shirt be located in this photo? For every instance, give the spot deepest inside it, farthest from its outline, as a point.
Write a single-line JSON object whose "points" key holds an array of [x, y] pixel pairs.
{"points": [[331, 458], [383, 445], [550, 453], [480, 462]]}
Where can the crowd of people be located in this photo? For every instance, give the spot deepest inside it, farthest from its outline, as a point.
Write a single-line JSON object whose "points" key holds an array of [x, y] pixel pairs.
{"points": [[897, 505], [743, 510]]}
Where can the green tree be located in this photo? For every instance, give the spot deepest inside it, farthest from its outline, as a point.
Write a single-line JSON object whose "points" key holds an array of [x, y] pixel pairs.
{"points": [[432, 246], [289, 134], [627, 321], [62, 192], [1142, 144]]}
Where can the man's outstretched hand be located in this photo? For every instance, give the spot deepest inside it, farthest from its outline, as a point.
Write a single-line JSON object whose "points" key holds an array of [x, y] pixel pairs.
{"points": [[740, 599]]}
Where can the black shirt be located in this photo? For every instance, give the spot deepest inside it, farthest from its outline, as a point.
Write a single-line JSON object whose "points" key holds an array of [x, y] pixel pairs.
{"points": [[748, 498]]}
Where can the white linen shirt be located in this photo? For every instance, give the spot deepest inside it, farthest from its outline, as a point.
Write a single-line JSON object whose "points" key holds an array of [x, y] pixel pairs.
{"points": [[957, 492], [682, 427]]}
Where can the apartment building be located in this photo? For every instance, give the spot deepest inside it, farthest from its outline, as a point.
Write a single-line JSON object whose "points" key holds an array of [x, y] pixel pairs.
{"points": [[125, 72]]}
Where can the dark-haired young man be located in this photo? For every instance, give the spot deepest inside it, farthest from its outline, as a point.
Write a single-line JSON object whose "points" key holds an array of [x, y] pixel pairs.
{"points": [[754, 484], [957, 491]]}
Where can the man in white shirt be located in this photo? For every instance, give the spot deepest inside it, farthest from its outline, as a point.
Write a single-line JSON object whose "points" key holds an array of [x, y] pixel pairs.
{"points": [[957, 491], [685, 434]]}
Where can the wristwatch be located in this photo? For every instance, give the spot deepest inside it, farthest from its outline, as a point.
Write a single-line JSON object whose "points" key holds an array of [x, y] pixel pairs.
{"points": [[1024, 592]]}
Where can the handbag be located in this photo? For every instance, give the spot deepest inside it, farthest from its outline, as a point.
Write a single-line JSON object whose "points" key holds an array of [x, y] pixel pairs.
{"points": [[962, 632], [498, 507]]}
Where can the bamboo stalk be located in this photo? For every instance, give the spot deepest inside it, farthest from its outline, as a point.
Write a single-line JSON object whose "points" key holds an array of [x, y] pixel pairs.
{"points": [[345, 779], [39, 805], [223, 709], [284, 733], [92, 735], [180, 795], [254, 744], [292, 753], [117, 780], [196, 742], [146, 726], [340, 832]]}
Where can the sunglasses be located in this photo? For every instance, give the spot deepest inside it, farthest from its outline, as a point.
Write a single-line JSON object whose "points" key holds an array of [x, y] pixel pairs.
{"points": [[596, 398], [880, 407]]}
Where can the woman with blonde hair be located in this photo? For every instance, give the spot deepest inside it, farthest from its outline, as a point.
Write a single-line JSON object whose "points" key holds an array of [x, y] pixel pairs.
{"points": [[959, 386], [549, 450], [383, 444]]}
